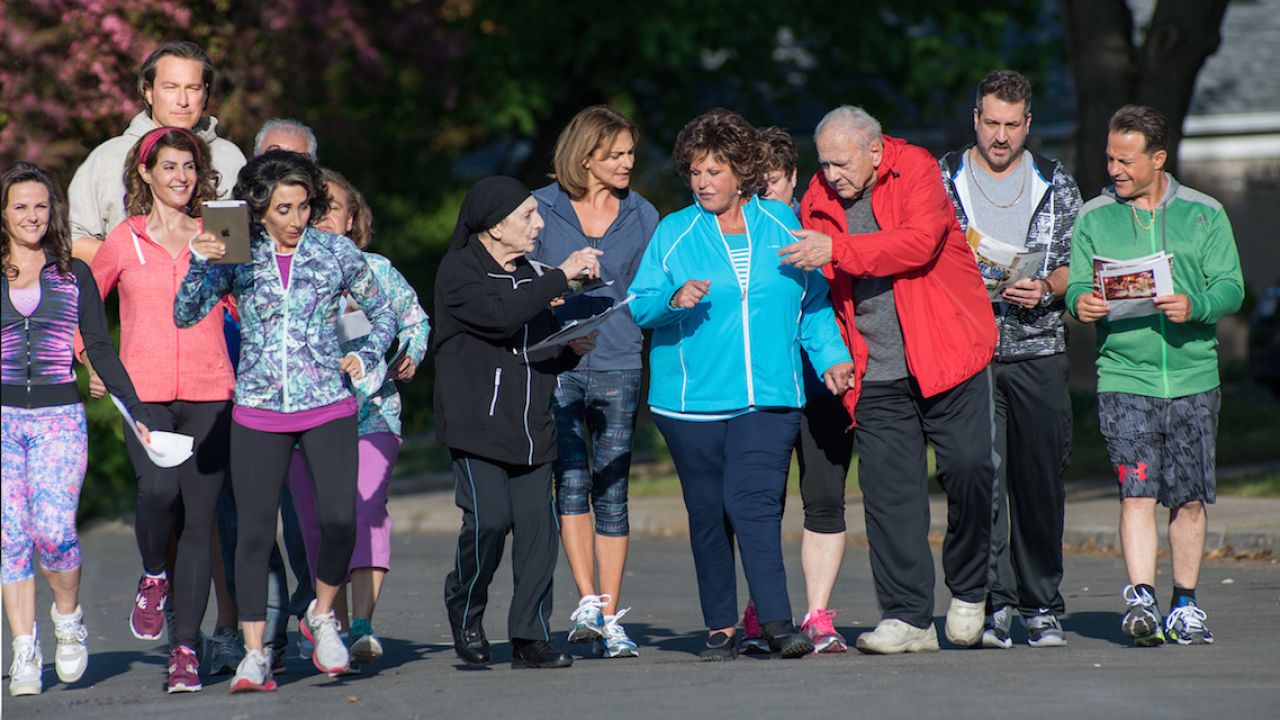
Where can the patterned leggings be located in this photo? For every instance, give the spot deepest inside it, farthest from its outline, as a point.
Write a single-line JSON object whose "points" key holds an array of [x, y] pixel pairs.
{"points": [[45, 453]]}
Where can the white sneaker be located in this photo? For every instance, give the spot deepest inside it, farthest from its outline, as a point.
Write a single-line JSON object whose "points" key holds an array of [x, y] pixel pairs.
{"points": [[892, 636], [254, 673], [616, 643], [964, 622], [366, 649], [330, 654], [27, 667], [72, 656], [588, 619]]}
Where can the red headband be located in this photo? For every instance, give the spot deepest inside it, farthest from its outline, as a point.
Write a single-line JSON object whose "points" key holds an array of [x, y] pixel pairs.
{"points": [[150, 139]]}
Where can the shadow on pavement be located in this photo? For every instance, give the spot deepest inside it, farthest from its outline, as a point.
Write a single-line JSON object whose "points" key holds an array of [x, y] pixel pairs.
{"points": [[1096, 625]]}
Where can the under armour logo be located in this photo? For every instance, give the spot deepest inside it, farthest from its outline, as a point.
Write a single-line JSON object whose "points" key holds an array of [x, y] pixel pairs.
{"points": [[1139, 472]]}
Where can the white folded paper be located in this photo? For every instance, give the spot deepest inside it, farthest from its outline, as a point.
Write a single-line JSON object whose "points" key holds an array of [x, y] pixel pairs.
{"points": [[166, 449], [353, 325], [1131, 286], [1000, 263]]}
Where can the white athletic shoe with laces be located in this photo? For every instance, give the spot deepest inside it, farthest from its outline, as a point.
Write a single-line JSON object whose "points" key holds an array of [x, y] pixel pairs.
{"points": [[72, 656], [588, 619], [616, 643], [964, 622], [330, 654], [27, 668]]}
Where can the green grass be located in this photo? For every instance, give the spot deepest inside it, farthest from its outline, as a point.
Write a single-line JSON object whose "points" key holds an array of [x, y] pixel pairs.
{"points": [[1259, 484]]}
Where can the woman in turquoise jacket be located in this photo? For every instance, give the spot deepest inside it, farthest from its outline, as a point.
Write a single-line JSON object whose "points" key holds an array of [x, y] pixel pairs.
{"points": [[726, 380]]}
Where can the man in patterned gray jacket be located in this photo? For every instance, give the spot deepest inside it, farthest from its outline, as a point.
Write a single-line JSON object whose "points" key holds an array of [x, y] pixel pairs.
{"points": [[1010, 194]]}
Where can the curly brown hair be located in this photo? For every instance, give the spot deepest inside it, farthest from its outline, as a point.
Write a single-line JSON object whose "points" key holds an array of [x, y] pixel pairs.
{"points": [[783, 155], [361, 216], [137, 195], [57, 238], [729, 138]]}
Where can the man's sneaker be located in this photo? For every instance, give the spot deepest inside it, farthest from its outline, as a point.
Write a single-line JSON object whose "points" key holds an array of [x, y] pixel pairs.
{"points": [[964, 622], [996, 633], [365, 646], [720, 646], [1185, 626], [184, 670], [253, 674], [277, 660], [616, 643], [305, 647], [893, 636], [27, 668], [1142, 621], [330, 654], [786, 639], [588, 619], [817, 626], [146, 621], [753, 642], [222, 651], [72, 656], [1044, 630]]}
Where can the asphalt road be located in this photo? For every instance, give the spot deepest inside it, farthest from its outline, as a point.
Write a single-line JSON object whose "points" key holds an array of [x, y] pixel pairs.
{"points": [[1096, 676]]}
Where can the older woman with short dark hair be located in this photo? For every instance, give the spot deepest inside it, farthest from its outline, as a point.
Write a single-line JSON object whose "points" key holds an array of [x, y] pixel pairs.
{"points": [[726, 380], [292, 386]]}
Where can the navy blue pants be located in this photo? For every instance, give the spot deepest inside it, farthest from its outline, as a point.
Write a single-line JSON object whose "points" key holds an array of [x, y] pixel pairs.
{"points": [[733, 474]]}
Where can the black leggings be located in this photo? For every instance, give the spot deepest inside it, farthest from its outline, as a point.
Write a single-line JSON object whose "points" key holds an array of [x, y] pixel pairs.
{"points": [[259, 462], [197, 483]]}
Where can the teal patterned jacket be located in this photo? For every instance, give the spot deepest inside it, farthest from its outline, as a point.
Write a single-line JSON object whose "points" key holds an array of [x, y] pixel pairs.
{"points": [[289, 350], [376, 391]]}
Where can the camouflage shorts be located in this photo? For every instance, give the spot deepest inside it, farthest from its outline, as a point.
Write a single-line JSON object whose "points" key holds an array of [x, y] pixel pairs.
{"points": [[1162, 448]]}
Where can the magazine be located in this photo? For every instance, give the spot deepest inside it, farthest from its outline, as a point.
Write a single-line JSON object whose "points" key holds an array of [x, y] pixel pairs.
{"points": [[1131, 286], [1000, 263]]}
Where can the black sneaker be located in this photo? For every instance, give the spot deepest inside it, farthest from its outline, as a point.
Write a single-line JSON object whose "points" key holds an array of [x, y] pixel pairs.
{"points": [[471, 645], [720, 646], [784, 638], [538, 654]]}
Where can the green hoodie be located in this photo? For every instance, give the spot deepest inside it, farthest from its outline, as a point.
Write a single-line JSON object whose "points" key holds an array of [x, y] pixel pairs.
{"points": [[1152, 355]]}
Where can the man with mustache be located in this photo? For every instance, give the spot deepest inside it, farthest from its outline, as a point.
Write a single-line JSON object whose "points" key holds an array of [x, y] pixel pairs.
{"points": [[1020, 198]]}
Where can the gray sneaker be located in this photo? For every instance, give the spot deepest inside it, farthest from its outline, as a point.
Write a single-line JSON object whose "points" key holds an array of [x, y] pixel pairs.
{"points": [[222, 652], [330, 654], [996, 634], [1044, 630]]}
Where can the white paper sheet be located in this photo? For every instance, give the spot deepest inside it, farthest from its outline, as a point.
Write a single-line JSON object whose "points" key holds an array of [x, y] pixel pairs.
{"points": [[575, 329], [1000, 263], [1131, 286], [166, 449], [352, 326]]}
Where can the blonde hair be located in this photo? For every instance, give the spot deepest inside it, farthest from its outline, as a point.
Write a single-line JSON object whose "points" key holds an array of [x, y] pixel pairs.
{"points": [[590, 130], [361, 215]]}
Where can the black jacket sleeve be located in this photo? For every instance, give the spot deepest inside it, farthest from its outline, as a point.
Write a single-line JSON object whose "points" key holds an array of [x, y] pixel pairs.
{"points": [[97, 343], [471, 297]]}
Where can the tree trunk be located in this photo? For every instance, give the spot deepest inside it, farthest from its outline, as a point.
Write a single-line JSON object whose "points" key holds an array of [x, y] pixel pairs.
{"points": [[1110, 72]]}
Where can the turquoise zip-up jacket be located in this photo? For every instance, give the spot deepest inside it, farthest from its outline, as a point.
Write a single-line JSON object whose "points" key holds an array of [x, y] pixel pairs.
{"points": [[736, 349], [289, 351]]}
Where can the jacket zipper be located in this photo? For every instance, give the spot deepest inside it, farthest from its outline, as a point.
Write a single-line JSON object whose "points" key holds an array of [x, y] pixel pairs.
{"points": [[26, 328], [528, 382], [1164, 341], [284, 337], [497, 380], [746, 305], [177, 336]]}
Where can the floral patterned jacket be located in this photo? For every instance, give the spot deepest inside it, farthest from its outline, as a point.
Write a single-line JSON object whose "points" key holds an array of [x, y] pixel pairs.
{"points": [[376, 391], [289, 350]]}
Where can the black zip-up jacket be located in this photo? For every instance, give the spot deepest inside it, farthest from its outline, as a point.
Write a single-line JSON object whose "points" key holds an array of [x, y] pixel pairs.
{"points": [[492, 395], [38, 355]]}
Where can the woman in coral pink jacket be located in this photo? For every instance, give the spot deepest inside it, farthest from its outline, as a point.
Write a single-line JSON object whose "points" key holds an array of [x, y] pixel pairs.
{"points": [[183, 375]]}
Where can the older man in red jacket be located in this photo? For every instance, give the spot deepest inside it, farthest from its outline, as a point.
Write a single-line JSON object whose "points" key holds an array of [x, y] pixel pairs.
{"points": [[913, 310]]}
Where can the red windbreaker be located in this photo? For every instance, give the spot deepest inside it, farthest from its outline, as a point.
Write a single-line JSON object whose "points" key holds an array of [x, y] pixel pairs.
{"points": [[948, 329]]}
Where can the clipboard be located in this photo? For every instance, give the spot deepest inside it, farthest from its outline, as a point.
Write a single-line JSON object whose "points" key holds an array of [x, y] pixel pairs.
{"points": [[575, 329], [228, 220]]}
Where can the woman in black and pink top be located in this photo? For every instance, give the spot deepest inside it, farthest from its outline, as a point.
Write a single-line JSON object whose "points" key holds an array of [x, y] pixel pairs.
{"points": [[45, 296]]}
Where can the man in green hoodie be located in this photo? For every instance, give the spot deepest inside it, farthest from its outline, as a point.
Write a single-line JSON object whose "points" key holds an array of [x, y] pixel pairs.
{"points": [[1158, 394]]}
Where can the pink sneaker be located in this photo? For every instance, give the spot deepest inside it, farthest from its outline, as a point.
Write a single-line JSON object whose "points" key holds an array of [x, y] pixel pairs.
{"points": [[753, 640], [147, 618], [184, 670], [817, 626]]}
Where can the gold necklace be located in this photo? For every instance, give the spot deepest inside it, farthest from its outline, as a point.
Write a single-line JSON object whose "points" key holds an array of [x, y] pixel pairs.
{"points": [[1021, 188], [1133, 206]]}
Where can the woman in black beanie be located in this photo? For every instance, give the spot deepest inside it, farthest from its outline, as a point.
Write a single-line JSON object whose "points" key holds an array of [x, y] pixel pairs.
{"points": [[493, 412]]}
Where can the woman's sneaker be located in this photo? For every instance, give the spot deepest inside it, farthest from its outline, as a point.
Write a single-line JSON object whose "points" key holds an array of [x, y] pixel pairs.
{"points": [[588, 619], [753, 641], [72, 656], [365, 646], [330, 654], [1185, 626], [821, 631], [222, 651], [1142, 622], [720, 646], [253, 674], [184, 670], [146, 620], [786, 640], [27, 668], [616, 643]]}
